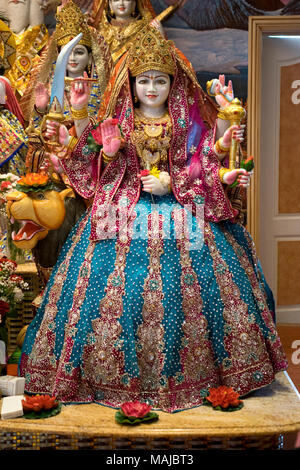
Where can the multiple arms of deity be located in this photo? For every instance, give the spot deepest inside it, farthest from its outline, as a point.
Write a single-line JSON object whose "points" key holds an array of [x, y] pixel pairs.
{"points": [[112, 139]]}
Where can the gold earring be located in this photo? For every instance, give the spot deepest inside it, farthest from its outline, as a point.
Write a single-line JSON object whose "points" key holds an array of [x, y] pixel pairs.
{"points": [[136, 99]]}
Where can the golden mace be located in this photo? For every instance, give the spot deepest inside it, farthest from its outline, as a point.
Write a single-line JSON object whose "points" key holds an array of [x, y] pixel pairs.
{"points": [[234, 113]]}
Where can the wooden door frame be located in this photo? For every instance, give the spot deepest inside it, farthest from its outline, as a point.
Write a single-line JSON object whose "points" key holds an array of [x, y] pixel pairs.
{"points": [[258, 26]]}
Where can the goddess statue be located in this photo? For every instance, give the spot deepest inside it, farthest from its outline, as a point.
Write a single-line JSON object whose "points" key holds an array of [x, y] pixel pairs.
{"points": [[157, 294], [120, 21], [26, 20], [90, 57]]}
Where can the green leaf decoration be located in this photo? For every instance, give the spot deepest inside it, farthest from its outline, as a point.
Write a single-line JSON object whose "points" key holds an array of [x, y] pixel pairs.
{"points": [[133, 421], [15, 356], [43, 413], [92, 144], [35, 187], [248, 165], [219, 408]]}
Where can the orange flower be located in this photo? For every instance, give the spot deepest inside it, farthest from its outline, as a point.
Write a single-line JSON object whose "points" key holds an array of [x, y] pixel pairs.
{"points": [[33, 179], [224, 397], [39, 402]]}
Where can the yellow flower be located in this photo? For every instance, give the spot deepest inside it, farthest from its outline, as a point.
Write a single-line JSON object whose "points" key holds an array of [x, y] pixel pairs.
{"points": [[155, 172]]}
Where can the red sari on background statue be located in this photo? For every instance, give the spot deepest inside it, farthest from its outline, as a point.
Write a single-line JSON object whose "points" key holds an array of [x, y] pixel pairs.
{"points": [[157, 295]]}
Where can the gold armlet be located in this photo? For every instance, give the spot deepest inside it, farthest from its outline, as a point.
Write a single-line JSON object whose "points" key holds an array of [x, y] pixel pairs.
{"points": [[78, 114], [222, 172], [72, 143]]}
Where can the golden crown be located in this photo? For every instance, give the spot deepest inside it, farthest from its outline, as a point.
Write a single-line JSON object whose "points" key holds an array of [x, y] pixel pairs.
{"points": [[70, 21], [151, 52]]}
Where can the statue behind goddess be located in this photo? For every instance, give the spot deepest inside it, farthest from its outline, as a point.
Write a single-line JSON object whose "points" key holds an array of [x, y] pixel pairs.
{"points": [[119, 21], [26, 20], [88, 58]]}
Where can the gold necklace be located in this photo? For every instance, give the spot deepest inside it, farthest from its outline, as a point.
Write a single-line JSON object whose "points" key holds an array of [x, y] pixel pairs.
{"points": [[151, 138], [153, 126]]}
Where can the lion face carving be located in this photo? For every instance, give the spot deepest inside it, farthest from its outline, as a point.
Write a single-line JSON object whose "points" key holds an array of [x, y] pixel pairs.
{"points": [[35, 211]]}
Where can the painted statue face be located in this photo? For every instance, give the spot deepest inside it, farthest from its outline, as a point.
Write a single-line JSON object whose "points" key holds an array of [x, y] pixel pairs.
{"points": [[78, 61], [152, 88], [122, 8]]}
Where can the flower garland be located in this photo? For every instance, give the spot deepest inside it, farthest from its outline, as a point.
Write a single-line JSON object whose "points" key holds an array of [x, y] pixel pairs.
{"points": [[11, 292], [8, 182]]}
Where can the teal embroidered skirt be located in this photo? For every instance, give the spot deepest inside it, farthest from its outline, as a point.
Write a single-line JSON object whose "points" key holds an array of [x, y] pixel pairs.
{"points": [[158, 314]]}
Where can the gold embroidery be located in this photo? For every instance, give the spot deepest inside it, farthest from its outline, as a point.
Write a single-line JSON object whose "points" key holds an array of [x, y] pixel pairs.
{"points": [[243, 339], [151, 332], [42, 355], [103, 358], [275, 346], [196, 355]]}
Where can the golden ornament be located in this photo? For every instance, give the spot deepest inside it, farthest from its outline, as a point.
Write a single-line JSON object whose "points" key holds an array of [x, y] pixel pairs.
{"points": [[70, 21]]}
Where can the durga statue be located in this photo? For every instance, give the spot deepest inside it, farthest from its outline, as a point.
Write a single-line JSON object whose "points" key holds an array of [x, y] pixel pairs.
{"points": [[158, 293]]}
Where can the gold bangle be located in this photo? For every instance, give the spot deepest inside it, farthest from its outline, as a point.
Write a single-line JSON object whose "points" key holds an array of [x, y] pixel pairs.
{"points": [[222, 172], [219, 148], [78, 114], [107, 158], [40, 112]]}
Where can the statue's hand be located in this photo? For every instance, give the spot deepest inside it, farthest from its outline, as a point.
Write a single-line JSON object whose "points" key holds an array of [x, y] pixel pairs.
{"points": [[111, 137], [55, 162], [233, 132], [42, 97], [242, 176], [223, 94], [80, 92], [59, 131], [151, 184]]}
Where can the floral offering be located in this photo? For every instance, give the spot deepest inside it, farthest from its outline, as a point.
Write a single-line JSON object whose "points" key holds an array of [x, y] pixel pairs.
{"points": [[224, 398], [12, 288], [135, 412], [8, 182], [40, 406]]}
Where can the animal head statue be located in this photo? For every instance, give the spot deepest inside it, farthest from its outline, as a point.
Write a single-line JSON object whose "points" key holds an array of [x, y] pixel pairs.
{"points": [[34, 208]]}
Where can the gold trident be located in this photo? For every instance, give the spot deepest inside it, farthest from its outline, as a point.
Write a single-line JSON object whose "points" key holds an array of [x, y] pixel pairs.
{"points": [[234, 113]]}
